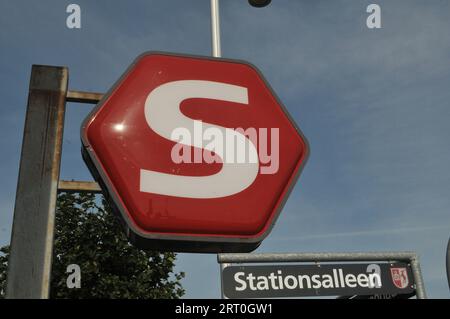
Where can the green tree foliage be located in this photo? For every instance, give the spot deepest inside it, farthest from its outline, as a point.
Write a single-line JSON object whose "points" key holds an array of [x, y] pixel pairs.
{"points": [[89, 235], [4, 252]]}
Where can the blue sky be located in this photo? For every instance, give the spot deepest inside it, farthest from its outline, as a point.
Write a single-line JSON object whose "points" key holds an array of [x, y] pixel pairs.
{"points": [[374, 105]]}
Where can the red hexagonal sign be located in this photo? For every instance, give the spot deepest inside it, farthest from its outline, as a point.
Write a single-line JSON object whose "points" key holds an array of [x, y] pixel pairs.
{"points": [[193, 153]]}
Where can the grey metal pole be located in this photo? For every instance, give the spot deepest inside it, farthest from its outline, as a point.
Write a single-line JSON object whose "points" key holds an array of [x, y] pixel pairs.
{"points": [[215, 29], [417, 273], [448, 263], [30, 259], [217, 53]]}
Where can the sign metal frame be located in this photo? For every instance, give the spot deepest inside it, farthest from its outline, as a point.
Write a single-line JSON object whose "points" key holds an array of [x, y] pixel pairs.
{"points": [[411, 258]]}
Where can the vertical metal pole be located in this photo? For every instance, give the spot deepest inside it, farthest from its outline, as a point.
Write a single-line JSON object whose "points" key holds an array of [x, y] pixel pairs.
{"points": [[30, 259], [215, 29], [417, 273], [448, 262], [217, 53]]}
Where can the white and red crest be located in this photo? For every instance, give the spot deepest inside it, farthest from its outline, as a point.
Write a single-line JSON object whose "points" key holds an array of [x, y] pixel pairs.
{"points": [[400, 277]]}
